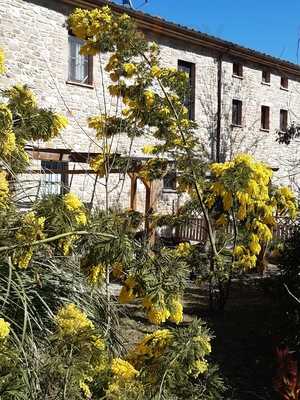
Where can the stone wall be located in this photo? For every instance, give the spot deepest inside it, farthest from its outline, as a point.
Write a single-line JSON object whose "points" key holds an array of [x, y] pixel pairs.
{"points": [[254, 93], [35, 40]]}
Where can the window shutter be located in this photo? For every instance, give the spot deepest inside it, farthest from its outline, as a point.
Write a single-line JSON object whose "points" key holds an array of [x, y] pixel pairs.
{"points": [[283, 120], [265, 117], [237, 112]]}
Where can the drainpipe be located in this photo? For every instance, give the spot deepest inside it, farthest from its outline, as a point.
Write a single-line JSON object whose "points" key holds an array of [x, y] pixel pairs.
{"points": [[219, 110]]}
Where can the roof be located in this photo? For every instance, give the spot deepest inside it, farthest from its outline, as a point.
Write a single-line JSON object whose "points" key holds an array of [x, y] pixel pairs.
{"points": [[171, 29]]}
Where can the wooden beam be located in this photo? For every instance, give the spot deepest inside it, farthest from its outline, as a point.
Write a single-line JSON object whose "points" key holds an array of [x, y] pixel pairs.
{"points": [[66, 155], [85, 157], [59, 171], [71, 171], [49, 154]]}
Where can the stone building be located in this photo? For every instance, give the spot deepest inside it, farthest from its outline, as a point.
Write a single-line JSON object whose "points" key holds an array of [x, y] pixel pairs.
{"points": [[240, 97]]}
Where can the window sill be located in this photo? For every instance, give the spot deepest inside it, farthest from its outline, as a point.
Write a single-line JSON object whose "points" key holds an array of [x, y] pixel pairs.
{"points": [[237, 76], [80, 84], [266, 83], [236, 126], [264, 130], [284, 88], [169, 191]]}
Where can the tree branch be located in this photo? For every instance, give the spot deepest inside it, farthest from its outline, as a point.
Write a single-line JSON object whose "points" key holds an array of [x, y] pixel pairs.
{"points": [[56, 237]]}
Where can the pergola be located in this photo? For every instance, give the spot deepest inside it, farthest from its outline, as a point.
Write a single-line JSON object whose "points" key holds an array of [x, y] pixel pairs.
{"points": [[66, 155]]}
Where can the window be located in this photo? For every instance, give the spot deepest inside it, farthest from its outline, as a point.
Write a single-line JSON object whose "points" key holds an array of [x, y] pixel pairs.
{"points": [[80, 67], [169, 181], [54, 179], [284, 83], [189, 98], [237, 69], [283, 120], [265, 118], [236, 112], [266, 76]]}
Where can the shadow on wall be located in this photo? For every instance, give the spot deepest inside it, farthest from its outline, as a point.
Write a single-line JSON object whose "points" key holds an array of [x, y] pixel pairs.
{"points": [[53, 5]]}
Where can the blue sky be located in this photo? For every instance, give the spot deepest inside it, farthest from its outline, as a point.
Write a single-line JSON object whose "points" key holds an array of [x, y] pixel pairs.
{"points": [[270, 26]]}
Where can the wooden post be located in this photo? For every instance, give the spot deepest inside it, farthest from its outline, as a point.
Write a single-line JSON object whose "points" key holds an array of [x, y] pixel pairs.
{"points": [[152, 191], [133, 189], [148, 210]]}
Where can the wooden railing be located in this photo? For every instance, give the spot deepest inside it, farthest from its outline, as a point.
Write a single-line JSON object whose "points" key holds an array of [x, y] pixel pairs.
{"points": [[195, 229], [285, 227]]}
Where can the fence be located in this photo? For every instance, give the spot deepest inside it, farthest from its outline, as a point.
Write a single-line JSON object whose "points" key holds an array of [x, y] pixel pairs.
{"points": [[285, 227], [195, 229]]}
